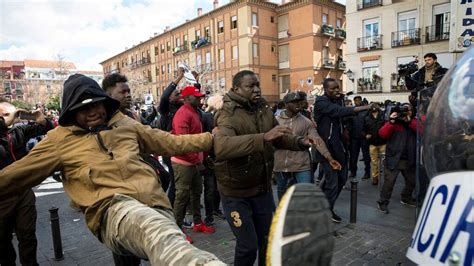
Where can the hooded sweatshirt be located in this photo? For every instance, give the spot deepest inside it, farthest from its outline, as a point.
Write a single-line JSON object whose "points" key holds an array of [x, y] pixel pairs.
{"points": [[296, 161]]}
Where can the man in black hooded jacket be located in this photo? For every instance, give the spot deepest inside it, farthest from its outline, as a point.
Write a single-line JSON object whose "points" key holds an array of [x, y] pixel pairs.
{"points": [[18, 212]]}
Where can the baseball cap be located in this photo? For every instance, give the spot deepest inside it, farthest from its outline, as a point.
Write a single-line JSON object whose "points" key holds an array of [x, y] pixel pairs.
{"points": [[294, 96], [190, 90]]}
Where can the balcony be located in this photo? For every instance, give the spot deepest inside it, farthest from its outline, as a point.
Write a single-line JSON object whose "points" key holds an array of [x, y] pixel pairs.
{"points": [[328, 63], [363, 4], [283, 65], [340, 33], [406, 37], [369, 43], [180, 49], [327, 30], [341, 64], [143, 61], [397, 83], [369, 85], [201, 42], [438, 32]]}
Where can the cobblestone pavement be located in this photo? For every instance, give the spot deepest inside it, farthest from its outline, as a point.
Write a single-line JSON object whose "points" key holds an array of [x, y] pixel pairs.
{"points": [[376, 238]]}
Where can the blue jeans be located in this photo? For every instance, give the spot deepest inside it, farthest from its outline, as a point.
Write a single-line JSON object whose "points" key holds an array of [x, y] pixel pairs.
{"points": [[287, 179], [333, 182]]}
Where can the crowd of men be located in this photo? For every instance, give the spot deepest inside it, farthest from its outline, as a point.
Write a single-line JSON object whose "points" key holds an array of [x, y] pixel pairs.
{"points": [[233, 146]]}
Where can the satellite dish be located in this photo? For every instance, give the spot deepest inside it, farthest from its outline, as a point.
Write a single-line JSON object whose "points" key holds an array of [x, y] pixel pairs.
{"points": [[187, 74]]}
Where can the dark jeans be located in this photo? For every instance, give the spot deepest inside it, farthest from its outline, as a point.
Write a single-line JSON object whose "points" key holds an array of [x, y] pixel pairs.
{"points": [[390, 178], [250, 220], [18, 213], [211, 196], [333, 182], [171, 188], [356, 146]]}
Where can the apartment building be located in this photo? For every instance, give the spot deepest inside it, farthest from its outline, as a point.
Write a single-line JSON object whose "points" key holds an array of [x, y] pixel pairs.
{"points": [[37, 81], [245, 34], [385, 33]]}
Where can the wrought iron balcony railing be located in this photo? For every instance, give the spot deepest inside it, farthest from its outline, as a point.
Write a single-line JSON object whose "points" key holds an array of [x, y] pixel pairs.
{"points": [[406, 37], [362, 4], [180, 49], [438, 32], [203, 41], [327, 30], [329, 63], [369, 43], [340, 33]]}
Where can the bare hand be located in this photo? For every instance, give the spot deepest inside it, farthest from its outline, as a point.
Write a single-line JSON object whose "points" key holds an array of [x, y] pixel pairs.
{"points": [[335, 165], [277, 132], [393, 115], [368, 136]]}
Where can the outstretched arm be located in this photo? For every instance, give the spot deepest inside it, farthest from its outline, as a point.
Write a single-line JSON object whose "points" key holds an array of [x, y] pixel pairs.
{"points": [[31, 170]]}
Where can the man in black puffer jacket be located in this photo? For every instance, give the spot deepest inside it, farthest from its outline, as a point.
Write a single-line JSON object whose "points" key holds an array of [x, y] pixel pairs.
{"points": [[372, 123], [18, 211]]}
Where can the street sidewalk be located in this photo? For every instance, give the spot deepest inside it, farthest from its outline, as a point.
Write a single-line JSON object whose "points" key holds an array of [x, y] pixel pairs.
{"points": [[376, 238]]}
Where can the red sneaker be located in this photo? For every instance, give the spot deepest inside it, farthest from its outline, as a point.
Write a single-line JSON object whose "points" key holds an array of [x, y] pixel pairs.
{"points": [[202, 227], [188, 238]]}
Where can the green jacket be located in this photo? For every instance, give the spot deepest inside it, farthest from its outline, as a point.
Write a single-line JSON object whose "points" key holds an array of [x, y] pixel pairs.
{"points": [[244, 161]]}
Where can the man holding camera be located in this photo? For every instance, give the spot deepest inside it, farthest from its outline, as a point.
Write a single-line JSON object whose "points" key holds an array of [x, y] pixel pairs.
{"points": [[18, 211], [429, 75], [400, 134]]}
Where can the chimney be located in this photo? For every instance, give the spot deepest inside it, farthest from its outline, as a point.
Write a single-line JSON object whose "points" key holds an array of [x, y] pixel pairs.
{"points": [[199, 12], [188, 20], [155, 33], [216, 4], [285, 1]]}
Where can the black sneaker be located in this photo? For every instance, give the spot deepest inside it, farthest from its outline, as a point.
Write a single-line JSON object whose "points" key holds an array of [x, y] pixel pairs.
{"points": [[409, 202], [301, 232], [209, 221], [336, 218], [382, 206]]}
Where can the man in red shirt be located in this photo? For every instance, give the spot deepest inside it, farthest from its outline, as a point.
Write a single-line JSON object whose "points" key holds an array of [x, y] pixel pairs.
{"points": [[187, 120]]}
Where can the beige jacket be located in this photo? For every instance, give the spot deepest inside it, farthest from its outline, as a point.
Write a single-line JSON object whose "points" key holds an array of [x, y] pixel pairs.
{"points": [[297, 161], [96, 167]]}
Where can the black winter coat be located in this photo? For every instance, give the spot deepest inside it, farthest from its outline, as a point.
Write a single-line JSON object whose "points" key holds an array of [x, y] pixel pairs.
{"points": [[372, 126], [13, 142]]}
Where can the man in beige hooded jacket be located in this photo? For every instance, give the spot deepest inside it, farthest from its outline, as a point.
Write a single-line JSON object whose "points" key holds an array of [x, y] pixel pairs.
{"points": [[97, 150]]}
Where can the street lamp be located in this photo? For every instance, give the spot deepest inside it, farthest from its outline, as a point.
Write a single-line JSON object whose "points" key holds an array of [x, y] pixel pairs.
{"points": [[350, 75]]}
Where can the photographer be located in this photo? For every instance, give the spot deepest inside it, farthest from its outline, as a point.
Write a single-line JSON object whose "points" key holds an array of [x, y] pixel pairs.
{"points": [[429, 75], [18, 212], [400, 134]]}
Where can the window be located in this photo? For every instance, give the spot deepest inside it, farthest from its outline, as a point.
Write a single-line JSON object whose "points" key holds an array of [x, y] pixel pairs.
{"points": [[255, 49], [208, 57], [235, 52], [221, 55], [272, 19], [207, 30], [233, 22], [254, 19], [162, 48], [178, 42], [325, 19], [274, 48], [198, 34], [156, 52], [169, 68], [284, 84], [283, 23], [185, 38], [283, 53], [157, 71], [198, 60], [163, 69], [338, 23], [274, 77], [369, 68], [445, 59], [168, 46], [371, 27], [407, 21], [158, 92], [7, 87], [220, 27]]}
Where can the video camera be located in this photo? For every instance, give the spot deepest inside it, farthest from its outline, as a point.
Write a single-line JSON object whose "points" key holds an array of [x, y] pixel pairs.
{"points": [[407, 69], [402, 111]]}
